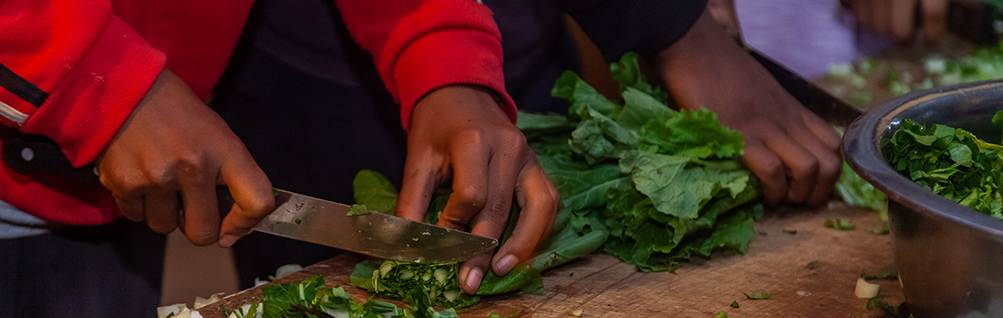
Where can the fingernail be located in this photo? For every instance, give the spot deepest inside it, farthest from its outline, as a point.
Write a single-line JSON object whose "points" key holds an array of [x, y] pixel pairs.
{"points": [[474, 278], [228, 240], [506, 264]]}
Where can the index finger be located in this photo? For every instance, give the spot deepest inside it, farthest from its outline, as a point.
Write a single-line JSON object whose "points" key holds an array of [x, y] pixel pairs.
{"points": [[252, 196]]}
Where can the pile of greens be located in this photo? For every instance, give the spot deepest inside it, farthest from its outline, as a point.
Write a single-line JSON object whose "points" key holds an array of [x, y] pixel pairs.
{"points": [[950, 162], [310, 298], [647, 184], [984, 63]]}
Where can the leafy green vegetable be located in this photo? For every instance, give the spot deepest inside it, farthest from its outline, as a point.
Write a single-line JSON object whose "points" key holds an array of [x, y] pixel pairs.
{"points": [[856, 191], [721, 315], [840, 224], [373, 190], [888, 273], [734, 304], [791, 232], [950, 162], [311, 298], [651, 185], [757, 296], [395, 280], [357, 209]]}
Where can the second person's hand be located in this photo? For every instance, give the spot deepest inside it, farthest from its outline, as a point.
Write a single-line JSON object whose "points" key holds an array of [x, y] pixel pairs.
{"points": [[793, 152], [459, 133]]}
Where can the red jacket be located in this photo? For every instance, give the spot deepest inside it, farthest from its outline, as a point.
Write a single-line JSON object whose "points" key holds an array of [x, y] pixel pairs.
{"points": [[73, 70]]}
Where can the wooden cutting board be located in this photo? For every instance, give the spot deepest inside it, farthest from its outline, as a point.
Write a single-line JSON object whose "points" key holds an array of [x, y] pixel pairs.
{"points": [[810, 274]]}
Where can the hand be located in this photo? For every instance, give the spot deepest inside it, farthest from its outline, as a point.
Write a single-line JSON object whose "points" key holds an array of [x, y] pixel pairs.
{"points": [[897, 17], [724, 13], [458, 132], [173, 144], [793, 152]]}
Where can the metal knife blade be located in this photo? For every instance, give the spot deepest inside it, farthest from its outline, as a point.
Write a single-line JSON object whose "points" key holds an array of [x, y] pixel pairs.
{"points": [[376, 234], [296, 216], [820, 102]]}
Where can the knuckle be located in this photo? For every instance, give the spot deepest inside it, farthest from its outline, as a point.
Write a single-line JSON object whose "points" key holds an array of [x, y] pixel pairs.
{"points": [[805, 168], [162, 227], [471, 137], [470, 197], [201, 238], [452, 221]]}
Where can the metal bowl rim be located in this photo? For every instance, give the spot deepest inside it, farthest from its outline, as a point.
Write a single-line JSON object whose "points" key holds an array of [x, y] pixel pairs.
{"points": [[866, 160]]}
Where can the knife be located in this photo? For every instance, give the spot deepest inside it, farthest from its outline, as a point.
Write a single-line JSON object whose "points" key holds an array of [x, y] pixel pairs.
{"points": [[819, 101], [295, 216]]}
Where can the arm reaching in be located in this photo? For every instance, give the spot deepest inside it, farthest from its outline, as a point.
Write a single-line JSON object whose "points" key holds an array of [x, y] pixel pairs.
{"points": [[793, 152]]}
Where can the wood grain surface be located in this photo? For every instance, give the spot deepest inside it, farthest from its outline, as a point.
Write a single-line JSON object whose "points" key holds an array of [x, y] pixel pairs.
{"points": [[809, 274]]}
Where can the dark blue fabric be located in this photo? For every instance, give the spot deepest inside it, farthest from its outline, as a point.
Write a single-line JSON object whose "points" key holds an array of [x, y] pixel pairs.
{"points": [[643, 26], [112, 270]]}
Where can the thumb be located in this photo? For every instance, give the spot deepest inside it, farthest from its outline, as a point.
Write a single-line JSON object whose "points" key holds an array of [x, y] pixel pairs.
{"points": [[252, 196]]}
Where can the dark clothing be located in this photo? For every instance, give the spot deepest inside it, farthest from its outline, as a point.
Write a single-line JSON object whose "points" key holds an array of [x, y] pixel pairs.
{"points": [[57, 274], [644, 26], [310, 106]]}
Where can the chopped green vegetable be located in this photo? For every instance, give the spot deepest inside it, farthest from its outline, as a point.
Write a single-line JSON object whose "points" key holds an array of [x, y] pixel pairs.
{"points": [[311, 298], [878, 303], [861, 97], [791, 232], [813, 265], [950, 162], [298, 221], [357, 209], [394, 280], [840, 224], [856, 191], [721, 315], [757, 296], [761, 233], [866, 65], [734, 304], [888, 273], [275, 192]]}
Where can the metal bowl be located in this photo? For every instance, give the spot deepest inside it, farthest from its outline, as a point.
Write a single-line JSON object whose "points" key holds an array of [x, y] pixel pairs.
{"points": [[949, 257]]}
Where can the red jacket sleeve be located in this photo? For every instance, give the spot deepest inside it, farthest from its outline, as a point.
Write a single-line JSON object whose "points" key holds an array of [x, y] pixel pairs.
{"points": [[72, 71], [421, 45]]}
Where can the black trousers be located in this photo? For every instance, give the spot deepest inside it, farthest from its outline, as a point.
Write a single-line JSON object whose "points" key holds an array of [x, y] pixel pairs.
{"points": [[112, 270]]}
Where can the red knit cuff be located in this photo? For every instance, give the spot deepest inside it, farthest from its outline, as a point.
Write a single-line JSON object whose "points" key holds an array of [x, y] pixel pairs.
{"points": [[451, 56], [85, 111]]}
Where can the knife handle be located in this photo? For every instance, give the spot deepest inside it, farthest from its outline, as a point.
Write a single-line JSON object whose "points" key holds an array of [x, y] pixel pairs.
{"points": [[29, 154]]}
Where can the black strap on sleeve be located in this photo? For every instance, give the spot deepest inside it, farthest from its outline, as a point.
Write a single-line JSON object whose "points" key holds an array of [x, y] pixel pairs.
{"points": [[21, 87]]}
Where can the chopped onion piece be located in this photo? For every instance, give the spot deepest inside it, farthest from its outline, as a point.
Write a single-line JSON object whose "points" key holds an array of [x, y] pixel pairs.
{"points": [[865, 289], [287, 269]]}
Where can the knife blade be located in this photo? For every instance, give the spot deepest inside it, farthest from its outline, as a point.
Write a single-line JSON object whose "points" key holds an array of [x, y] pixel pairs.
{"points": [[295, 216], [323, 222], [819, 101]]}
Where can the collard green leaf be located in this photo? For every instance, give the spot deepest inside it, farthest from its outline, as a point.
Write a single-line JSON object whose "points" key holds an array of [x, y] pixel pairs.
{"points": [[677, 189], [373, 190], [956, 164], [357, 209], [758, 296], [627, 72]]}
